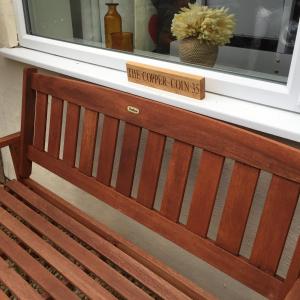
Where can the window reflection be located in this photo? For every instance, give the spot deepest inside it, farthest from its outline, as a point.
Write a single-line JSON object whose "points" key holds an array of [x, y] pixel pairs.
{"points": [[165, 13], [262, 45]]}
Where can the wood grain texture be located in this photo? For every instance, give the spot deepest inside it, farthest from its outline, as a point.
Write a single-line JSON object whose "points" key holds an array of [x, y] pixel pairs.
{"points": [[205, 192], [27, 121], [128, 248], [15, 156], [14, 282], [293, 271], [191, 128], [40, 123], [13, 142], [150, 279], [88, 142], [171, 81], [54, 258], [237, 207], [3, 296], [50, 284], [55, 127], [107, 149], [178, 170], [234, 266], [82, 255], [71, 134], [218, 140], [10, 139], [275, 223], [294, 293], [130, 147], [151, 168]]}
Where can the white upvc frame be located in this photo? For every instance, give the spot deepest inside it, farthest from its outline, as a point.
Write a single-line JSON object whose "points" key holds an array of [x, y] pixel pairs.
{"points": [[263, 92]]}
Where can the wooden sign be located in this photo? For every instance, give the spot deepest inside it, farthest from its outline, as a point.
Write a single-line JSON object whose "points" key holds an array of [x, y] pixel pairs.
{"points": [[167, 80]]}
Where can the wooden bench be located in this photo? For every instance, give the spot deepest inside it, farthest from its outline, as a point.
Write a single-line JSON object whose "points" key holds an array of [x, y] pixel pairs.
{"points": [[50, 249]]}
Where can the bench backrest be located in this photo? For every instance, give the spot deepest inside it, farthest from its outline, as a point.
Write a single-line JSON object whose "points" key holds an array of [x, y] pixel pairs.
{"points": [[251, 154]]}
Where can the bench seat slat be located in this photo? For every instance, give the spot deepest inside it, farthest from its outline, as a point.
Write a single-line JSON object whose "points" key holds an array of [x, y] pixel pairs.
{"points": [[140, 258], [151, 168], [40, 123], [154, 282], [3, 296], [54, 258], [50, 284], [16, 283], [55, 127], [237, 207], [205, 192], [82, 255], [107, 149], [178, 171], [88, 142], [128, 159], [71, 134], [274, 223]]}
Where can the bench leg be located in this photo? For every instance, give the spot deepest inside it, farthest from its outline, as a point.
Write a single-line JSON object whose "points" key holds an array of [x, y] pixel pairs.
{"points": [[2, 175]]}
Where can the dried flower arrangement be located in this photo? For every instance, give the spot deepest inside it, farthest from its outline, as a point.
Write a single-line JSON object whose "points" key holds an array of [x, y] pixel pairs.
{"points": [[213, 26]]}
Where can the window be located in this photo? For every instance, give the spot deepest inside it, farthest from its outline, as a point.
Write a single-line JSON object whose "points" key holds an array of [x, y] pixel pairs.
{"points": [[258, 64]]}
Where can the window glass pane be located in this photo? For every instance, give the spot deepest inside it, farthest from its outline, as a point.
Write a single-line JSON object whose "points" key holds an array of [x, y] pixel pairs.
{"points": [[261, 46]]}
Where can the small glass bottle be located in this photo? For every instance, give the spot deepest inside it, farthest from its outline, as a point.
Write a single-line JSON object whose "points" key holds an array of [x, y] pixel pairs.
{"points": [[112, 23]]}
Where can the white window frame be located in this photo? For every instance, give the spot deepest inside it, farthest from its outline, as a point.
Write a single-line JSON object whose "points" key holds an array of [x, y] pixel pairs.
{"points": [[281, 96]]}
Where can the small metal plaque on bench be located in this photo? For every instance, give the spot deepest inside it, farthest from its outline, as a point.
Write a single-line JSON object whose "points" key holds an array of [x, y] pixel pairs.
{"points": [[167, 80]]}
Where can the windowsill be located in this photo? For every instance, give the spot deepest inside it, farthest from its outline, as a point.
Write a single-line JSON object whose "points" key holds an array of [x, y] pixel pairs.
{"points": [[266, 119]]}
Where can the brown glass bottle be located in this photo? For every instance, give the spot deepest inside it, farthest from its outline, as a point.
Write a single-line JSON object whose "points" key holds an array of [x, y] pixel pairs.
{"points": [[112, 23]]}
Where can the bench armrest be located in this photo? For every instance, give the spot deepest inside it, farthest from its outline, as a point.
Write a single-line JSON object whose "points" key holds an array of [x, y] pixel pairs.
{"points": [[294, 292], [11, 139]]}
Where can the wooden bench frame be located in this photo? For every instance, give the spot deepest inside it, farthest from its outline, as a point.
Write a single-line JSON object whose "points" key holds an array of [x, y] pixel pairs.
{"points": [[218, 140]]}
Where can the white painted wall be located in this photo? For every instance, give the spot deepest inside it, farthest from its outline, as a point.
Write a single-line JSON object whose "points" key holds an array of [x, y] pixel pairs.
{"points": [[198, 271], [8, 29]]}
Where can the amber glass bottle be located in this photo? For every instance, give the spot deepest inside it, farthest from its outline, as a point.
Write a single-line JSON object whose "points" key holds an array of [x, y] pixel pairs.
{"points": [[112, 23]]}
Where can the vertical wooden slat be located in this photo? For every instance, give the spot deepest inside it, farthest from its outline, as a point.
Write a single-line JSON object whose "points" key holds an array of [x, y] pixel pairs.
{"points": [[88, 142], [237, 207], [205, 192], [128, 159], [294, 292], [55, 127], [274, 224], [293, 272], [27, 121], [71, 134], [40, 121], [178, 170], [151, 168], [107, 149]]}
